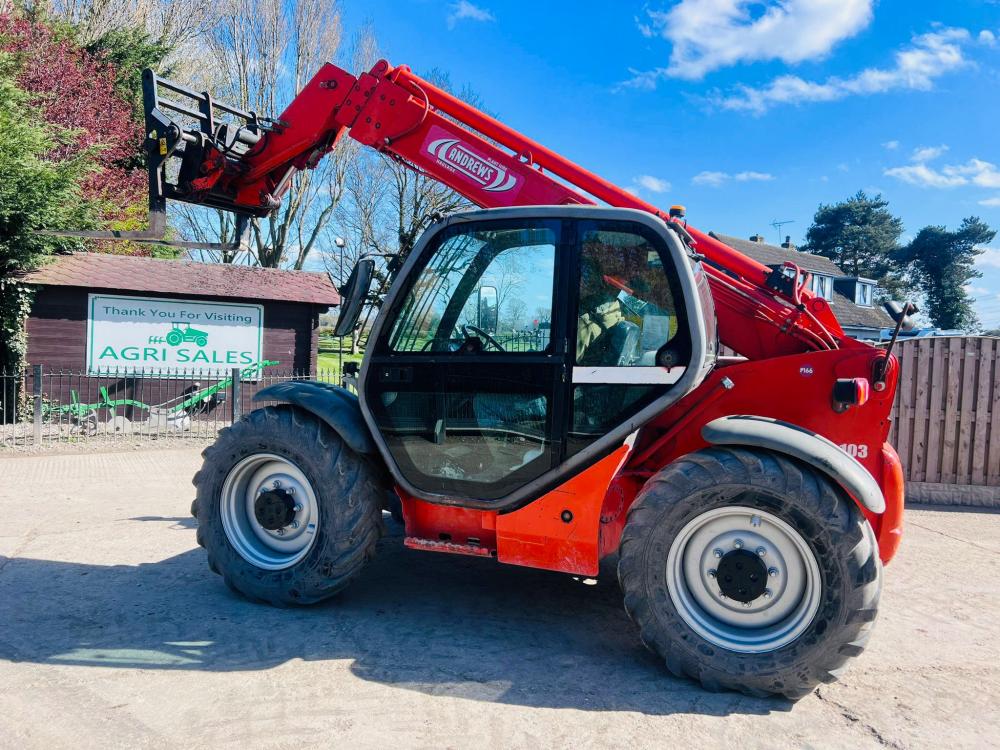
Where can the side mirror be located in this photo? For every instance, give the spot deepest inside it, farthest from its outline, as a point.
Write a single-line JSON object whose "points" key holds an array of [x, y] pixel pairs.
{"points": [[488, 313], [900, 314], [352, 296]]}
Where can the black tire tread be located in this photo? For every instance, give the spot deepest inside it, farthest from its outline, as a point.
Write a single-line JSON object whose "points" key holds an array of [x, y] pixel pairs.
{"points": [[840, 531], [349, 488]]}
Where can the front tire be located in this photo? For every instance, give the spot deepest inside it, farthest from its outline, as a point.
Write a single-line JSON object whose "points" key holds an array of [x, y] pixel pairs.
{"points": [[746, 570], [287, 513]]}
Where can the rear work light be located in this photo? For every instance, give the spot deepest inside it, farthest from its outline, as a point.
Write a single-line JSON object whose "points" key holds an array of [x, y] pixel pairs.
{"points": [[848, 392]]}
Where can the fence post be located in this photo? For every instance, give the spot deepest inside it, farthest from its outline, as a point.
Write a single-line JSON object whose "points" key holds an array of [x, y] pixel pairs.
{"points": [[237, 395], [37, 405]]}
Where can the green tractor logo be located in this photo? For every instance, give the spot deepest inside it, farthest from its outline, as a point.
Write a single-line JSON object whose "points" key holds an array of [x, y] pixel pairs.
{"points": [[182, 333]]}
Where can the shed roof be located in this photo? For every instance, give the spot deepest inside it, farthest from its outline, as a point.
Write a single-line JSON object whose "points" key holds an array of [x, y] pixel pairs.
{"points": [[847, 312], [137, 274]]}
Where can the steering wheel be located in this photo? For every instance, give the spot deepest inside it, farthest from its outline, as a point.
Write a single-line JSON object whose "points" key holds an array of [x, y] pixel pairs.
{"points": [[466, 328]]}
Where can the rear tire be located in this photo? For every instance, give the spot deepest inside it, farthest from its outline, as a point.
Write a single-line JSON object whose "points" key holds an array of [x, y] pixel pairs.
{"points": [[331, 495], [789, 622]]}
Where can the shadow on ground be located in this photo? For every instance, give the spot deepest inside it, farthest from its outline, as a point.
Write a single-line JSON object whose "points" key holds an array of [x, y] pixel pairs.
{"points": [[438, 624]]}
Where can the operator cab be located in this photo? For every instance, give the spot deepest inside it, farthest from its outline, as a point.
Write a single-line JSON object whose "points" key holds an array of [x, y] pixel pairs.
{"points": [[518, 346]]}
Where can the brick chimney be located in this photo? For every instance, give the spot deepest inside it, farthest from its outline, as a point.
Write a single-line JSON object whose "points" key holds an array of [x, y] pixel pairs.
{"points": [[787, 244]]}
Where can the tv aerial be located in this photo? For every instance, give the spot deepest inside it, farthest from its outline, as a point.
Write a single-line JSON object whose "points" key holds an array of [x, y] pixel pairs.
{"points": [[779, 224]]}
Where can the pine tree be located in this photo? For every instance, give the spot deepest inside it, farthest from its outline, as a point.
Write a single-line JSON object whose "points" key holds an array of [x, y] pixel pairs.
{"points": [[860, 235], [942, 263]]}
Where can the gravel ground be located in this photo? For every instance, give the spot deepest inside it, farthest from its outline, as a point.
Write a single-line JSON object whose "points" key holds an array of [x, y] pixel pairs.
{"points": [[113, 633]]}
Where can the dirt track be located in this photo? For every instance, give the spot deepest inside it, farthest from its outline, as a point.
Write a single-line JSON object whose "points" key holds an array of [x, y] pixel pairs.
{"points": [[113, 633]]}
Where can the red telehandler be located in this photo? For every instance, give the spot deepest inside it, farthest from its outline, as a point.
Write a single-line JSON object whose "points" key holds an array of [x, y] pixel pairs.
{"points": [[751, 500]]}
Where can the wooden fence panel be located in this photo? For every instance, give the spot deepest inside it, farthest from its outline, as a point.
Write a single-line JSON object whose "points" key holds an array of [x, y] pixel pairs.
{"points": [[993, 451], [946, 419]]}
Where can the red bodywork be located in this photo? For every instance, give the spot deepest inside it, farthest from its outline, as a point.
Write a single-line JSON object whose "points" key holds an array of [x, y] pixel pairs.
{"points": [[794, 346]]}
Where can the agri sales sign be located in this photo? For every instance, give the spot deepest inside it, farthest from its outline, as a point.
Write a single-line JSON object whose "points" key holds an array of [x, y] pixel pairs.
{"points": [[150, 335]]}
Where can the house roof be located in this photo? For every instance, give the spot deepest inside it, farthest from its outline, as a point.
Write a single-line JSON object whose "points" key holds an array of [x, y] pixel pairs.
{"points": [[136, 274], [848, 313]]}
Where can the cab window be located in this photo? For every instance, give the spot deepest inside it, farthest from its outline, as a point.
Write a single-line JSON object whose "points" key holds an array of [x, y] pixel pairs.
{"points": [[632, 338], [482, 291], [627, 312]]}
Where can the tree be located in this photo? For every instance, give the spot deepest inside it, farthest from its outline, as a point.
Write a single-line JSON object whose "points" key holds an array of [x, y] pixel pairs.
{"points": [[36, 191], [264, 52], [75, 93], [860, 235], [941, 264], [131, 50]]}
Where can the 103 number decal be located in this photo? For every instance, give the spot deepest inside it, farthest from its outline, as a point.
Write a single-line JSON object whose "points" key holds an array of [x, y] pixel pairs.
{"points": [[855, 450]]}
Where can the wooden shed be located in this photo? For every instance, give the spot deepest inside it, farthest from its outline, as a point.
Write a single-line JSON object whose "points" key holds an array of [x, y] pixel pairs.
{"points": [[87, 302]]}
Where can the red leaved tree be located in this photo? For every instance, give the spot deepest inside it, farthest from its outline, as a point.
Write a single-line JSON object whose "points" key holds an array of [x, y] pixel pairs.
{"points": [[75, 90]]}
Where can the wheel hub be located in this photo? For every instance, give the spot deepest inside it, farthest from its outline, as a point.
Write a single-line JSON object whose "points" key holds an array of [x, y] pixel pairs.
{"points": [[274, 509], [743, 579], [270, 511], [741, 575]]}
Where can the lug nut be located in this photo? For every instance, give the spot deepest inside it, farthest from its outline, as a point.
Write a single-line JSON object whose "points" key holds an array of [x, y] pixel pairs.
{"points": [[717, 552], [290, 490], [276, 484], [761, 552], [280, 532], [738, 544], [773, 572], [767, 593], [294, 524], [747, 605], [712, 573], [298, 507], [721, 595], [755, 520]]}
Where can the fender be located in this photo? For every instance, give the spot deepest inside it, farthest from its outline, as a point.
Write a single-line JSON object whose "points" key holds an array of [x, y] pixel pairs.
{"points": [[805, 445], [338, 407]]}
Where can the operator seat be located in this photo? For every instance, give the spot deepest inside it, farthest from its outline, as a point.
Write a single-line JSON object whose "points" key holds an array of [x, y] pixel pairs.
{"points": [[606, 339]]}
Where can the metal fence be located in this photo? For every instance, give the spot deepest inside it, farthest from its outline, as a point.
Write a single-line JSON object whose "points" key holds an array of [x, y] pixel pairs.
{"points": [[39, 406], [524, 341]]}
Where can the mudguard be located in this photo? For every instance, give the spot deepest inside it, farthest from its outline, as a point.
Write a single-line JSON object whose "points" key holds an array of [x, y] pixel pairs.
{"points": [[803, 444], [338, 407]]}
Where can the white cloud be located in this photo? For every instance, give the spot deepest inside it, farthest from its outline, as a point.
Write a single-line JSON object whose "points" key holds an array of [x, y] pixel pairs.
{"points": [[989, 257], [991, 202], [713, 179], [916, 67], [924, 176], [987, 37], [652, 184], [928, 153], [890, 145], [717, 179], [974, 172], [463, 10], [980, 173], [710, 34]]}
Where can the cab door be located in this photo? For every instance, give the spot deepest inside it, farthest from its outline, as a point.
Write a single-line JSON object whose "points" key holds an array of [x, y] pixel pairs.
{"points": [[632, 327], [466, 385]]}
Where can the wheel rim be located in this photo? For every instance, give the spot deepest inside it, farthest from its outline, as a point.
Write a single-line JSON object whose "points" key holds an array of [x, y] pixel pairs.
{"points": [[720, 597], [269, 511]]}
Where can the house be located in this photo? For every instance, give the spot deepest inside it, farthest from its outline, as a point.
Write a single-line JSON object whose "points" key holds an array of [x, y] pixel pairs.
{"points": [[851, 298]]}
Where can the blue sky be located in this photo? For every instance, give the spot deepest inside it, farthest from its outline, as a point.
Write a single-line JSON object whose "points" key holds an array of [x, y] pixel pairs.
{"points": [[746, 112]]}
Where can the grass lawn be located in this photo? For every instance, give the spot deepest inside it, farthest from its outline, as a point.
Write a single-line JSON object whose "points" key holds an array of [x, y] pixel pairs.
{"points": [[329, 356], [330, 360]]}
